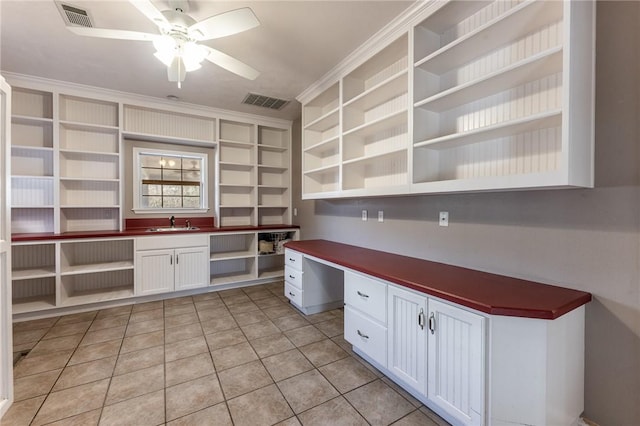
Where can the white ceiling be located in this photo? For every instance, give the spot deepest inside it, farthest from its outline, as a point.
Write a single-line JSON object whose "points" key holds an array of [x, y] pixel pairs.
{"points": [[296, 44]]}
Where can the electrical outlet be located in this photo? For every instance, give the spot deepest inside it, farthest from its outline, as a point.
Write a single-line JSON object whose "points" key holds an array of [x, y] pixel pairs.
{"points": [[444, 219], [380, 216], [364, 215], [295, 211]]}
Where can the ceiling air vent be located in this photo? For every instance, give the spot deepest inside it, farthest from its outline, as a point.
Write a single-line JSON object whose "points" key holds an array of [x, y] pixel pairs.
{"points": [[264, 101], [74, 15]]}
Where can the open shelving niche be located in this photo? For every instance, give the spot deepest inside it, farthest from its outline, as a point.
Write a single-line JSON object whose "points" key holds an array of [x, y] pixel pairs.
{"points": [[254, 176], [89, 164], [490, 114], [32, 161], [368, 148], [88, 271], [237, 175], [499, 95], [321, 143], [236, 257], [33, 276]]}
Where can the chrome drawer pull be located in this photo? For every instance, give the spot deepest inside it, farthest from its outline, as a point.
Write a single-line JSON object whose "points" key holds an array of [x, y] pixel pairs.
{"points": [[432, 323], [421, 319], [292, 277], [291, 260], [291, 294], [361, 334], [366, 296]]}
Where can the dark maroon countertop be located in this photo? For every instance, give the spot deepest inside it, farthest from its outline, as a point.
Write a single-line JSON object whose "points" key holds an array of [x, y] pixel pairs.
{"points": [[141, 231], [490, 293]]}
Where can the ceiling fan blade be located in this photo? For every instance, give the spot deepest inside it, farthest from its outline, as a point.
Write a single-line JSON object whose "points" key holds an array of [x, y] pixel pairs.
{"points": [[108, 33], [231, 64], [150, 11], [224, 24]]}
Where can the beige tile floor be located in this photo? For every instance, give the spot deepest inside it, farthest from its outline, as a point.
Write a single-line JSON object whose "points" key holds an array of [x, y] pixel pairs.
{"points": [[241, 357]]}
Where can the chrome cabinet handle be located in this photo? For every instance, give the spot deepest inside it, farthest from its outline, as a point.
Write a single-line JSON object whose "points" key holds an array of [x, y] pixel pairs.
{"points": [[421, 319], [171, 260], [366, 296], [291, 260], [291, 294], [432, 323], [361, 334], [177, 258], [291, 276]]}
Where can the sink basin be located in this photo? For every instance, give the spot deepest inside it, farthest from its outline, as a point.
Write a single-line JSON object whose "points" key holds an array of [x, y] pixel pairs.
{"points": [[173, 229]]}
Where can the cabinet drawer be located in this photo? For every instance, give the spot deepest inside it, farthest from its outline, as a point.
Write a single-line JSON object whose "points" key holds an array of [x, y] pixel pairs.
{"points": [[366, 294], [293, 258], [293, 276], [293, 293], [366, 335]]}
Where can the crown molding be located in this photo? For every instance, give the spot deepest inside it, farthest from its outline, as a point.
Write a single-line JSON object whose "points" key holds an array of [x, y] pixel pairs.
{"points": [[400, 25]]}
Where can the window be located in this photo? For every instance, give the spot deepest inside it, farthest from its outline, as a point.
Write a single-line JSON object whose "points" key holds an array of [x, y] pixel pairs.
{"points": [[169, 181]]}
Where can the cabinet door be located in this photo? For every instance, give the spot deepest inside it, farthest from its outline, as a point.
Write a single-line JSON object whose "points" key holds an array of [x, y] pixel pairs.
{"points": [[192, 268], [407, 337], [154, 271], [456, 360]]}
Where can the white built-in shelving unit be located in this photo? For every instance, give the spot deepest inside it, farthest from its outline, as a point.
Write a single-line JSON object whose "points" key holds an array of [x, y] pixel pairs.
{"points": [[236, 256], [71, 272], [32, 161], [68, 176], [66, 164], [458, 96], [89, 164], [254, 177]]}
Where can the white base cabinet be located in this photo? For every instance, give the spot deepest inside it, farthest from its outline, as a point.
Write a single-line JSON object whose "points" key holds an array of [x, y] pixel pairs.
{"points": [[181, 266], [312, 286], [469, 367], [437, 350], [407, 342], [536, 370], [455, 343], [365, 315]]}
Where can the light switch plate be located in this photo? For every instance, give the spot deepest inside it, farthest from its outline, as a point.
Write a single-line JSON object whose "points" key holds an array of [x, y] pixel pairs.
{"points": [[380, 216], [364, 215], [444, 219]]}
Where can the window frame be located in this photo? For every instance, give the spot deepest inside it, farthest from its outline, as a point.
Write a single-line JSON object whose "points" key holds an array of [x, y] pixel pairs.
{"points": [[137, 181]]}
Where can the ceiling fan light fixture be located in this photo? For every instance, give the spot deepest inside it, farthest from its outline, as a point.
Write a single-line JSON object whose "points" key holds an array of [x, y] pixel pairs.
{"points": [[165, 43], [193, 55], [165, 57]]}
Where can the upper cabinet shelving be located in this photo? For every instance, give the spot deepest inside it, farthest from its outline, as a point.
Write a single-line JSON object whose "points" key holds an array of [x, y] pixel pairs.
{"points": [[254, 174], [67, 157], [488, 95]]}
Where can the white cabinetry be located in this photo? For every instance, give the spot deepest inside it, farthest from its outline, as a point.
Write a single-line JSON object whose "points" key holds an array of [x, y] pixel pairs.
{"points": [[312, 286], [174, 263], [456, 362], [66, 163], [499, 95], [365, 315], [236, 256], [32, 161], [71, 272], [407, 341], [254, 174], [95, 270], [154, 271]]}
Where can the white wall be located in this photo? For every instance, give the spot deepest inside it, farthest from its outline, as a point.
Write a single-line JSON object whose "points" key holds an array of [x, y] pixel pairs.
{"points": [[583, 239]]}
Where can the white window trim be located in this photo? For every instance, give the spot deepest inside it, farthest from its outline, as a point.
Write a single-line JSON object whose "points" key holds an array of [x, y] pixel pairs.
{"points": [[136, 180]]}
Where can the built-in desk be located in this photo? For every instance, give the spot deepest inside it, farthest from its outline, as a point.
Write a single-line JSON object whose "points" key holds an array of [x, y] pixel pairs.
{"points": [[477, 348]]}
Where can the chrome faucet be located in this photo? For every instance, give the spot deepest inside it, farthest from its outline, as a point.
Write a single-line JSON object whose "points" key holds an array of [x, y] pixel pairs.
{"points": [[188, 223], [172, 220]]}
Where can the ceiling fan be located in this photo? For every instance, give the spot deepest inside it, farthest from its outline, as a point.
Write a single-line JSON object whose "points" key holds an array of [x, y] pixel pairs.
{"points": [[177, 46]]}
